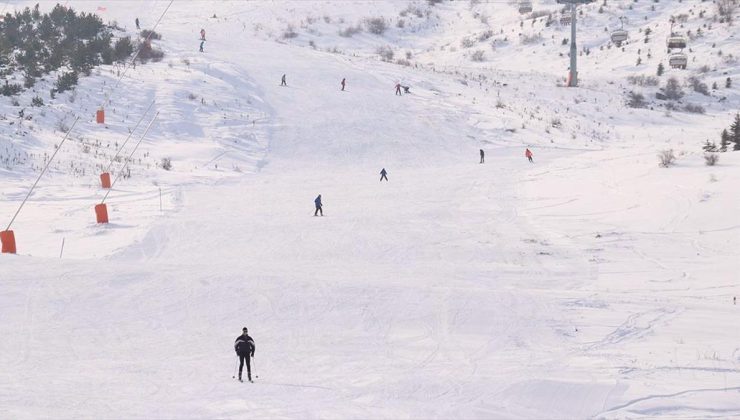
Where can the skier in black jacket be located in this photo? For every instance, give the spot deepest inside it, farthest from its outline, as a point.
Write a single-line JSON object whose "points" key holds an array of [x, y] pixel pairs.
{"points": [[244, 347]]}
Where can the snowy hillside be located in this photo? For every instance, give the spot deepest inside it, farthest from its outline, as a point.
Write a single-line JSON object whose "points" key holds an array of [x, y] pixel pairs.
{"points": [[589, 283]]}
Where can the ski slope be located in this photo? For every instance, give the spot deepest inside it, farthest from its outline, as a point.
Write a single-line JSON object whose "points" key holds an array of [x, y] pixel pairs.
{"points": [[591, 283]]}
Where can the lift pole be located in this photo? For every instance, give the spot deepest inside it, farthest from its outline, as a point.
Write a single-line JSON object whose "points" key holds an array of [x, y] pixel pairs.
{"points": [[573, 79]]}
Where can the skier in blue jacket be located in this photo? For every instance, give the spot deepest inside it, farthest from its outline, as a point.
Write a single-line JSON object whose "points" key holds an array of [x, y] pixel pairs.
{"points": [[317, 201]]}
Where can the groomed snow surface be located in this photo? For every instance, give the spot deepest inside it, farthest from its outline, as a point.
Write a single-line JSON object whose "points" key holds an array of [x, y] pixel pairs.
{"points": [[590, 283]]}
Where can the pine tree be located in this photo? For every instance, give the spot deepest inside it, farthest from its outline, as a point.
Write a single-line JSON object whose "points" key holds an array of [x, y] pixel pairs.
{"points": [[725, 141], [709, 147], [728, 83], [735, 132], [661, 69]]}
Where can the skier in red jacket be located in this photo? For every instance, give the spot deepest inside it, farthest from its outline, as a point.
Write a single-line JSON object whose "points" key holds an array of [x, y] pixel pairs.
{"points": [[528, 154]]}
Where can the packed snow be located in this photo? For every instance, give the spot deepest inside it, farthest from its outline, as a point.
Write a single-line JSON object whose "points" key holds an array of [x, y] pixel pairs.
{"points": [[588, 283]]}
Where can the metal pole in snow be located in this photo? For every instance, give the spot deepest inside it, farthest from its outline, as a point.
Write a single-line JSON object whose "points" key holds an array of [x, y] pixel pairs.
{"points": [[62, 251], [160, 199]]}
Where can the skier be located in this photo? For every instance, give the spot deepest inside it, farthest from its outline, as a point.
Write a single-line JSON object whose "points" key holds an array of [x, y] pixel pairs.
{"points": [[201, 46], [244, 347], [398, 89], [202, 34], [344, 82], [528, 154], [482, 156], [137, 24], [282, 82], [383, 174], [317, 201]]}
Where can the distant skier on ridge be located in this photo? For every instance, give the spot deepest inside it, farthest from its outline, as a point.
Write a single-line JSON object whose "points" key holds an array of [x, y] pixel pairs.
{"points": [[344, 82], [317, 201], [244, 347], [482, 156], [282, 81], [528, 154], [202, 34], [398, 89], [383, 174]]}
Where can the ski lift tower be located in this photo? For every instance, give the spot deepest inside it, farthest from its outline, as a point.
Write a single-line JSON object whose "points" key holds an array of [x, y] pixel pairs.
{"points": [[573, 78]]}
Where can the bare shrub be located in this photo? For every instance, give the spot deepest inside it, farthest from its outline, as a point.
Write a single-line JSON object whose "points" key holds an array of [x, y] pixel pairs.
{"points": [[642, 80], [635, 100], [672, 89], [467, 42], [531, 39], [485, 36], [289, 32], [349, 31], [478, 56], [385, 53], [192, 96], [694, 109], [698, 85], [666, 158], [711, 159], [376, 25], [166, 164], [401, 23], [555, 122]]}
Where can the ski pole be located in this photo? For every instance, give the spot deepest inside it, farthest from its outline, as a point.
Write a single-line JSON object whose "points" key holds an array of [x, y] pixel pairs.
{"points": [[236, 364], [254, 365]]}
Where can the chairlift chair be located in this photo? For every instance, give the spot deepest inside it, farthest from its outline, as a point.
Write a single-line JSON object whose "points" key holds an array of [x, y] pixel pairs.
{"points": [[565, 20], [676, 41], [525, 7], [619, 36], [678, 61]]}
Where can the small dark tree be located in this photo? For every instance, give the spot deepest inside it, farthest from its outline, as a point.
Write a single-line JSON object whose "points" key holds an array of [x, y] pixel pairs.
{"points": [[661, 69], [728, 83], [635, 100], [37, 101], [735, 132], [724, 141], [709, 146], [66, 81], [122, 49]]}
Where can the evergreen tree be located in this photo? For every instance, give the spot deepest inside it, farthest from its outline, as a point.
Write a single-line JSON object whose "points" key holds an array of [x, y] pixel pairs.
{"points": [[724, 141], [728, 83], [735, 132], [709, 147], [661, 69]]}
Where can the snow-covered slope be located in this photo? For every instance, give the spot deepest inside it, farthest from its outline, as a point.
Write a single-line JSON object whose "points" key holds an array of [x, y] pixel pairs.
{"points": [[590, 283]]}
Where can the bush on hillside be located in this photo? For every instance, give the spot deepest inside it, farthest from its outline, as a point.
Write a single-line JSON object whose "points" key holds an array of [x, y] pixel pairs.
{"points": [[385, 53], [666, 158], [694, 109], [711, 159], [349, 31], [376, 26], [478, 56], [122, 49], [66, 81], [166, 164], [698, 85], [150, 35], [672, 90], [635, 100]]}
